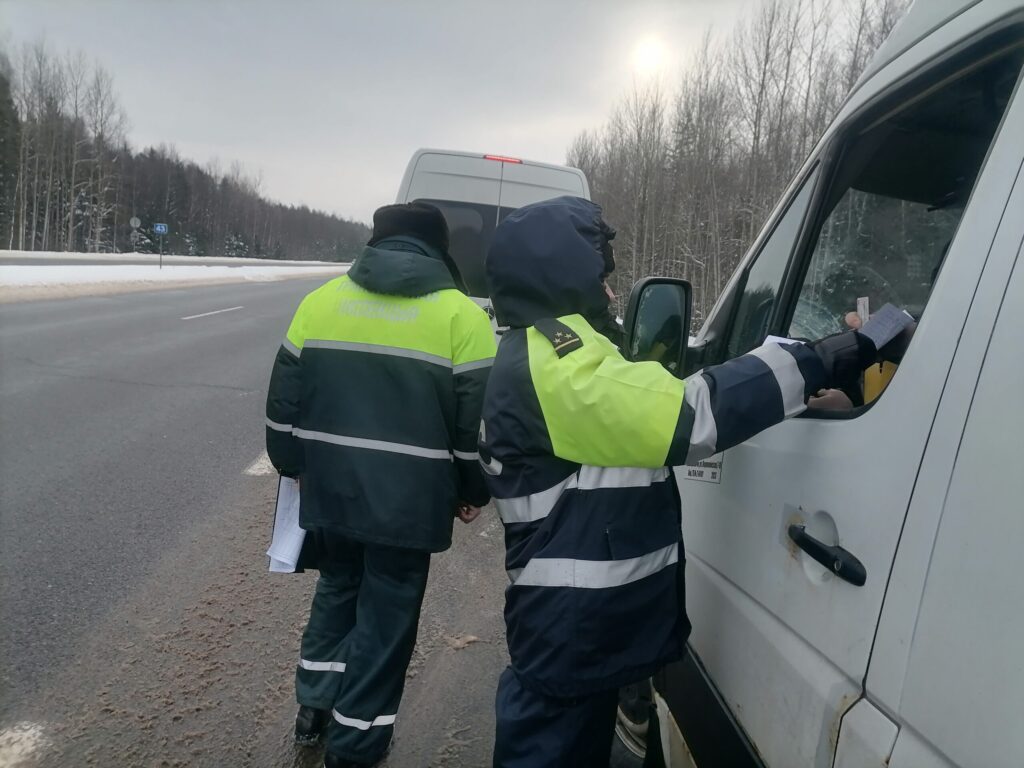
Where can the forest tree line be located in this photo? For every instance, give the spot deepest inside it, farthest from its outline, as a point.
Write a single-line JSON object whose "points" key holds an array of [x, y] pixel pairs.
{"points": [[70, 181], [689, 174]]}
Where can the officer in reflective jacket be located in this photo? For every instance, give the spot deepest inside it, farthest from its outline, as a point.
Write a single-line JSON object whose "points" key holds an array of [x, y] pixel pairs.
{"points": [[577, 445], [374, 403]]}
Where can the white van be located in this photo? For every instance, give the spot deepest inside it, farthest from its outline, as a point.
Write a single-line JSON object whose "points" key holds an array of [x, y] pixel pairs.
{"points": [[914, 196], [476, 191]]}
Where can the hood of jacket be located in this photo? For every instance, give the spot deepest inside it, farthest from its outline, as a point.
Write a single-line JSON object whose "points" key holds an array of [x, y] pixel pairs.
{"points": [[545, 261], [401, 266]]}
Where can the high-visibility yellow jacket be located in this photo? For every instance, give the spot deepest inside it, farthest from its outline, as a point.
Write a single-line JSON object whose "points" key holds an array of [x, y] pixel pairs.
{"points": [[375, 400]]}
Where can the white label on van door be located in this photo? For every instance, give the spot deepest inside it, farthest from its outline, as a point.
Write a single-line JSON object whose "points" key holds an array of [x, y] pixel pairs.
{"points": [[707, 471]]}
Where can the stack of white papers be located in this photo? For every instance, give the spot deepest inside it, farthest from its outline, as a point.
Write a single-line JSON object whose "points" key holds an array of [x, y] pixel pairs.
{"points": [[286, 543]]}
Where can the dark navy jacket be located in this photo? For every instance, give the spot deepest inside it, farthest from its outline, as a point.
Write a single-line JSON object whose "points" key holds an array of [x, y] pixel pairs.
{"points": [[576, 444]]}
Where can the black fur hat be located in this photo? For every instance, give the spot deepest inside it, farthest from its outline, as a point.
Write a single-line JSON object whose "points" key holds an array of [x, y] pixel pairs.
{"points": [[420, 220]]}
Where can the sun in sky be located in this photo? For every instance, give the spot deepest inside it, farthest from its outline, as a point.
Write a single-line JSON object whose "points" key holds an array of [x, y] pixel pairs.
{"points": [[650, 55]]}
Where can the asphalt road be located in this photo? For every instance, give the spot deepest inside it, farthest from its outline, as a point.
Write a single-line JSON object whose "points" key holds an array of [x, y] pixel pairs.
{"points": [[138, 624]]}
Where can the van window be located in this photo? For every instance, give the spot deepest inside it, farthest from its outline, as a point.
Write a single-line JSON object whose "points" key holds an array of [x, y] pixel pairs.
{"points": [[873, 247], [897, 196], [470, 226], [764, 277]]}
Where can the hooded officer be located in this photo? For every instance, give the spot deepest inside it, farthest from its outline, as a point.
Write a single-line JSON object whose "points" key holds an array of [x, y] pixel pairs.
{"points": [[374, 403], [577, 444]]}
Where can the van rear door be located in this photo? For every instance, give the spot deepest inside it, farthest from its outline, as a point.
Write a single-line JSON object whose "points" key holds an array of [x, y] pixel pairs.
{"points": [[525, 183], [467, 190], [452, 176], [475, 192]]}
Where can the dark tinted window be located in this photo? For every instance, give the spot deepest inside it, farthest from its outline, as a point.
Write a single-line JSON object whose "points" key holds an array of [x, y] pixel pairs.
{"points": [[471, 226], [765, 276]]}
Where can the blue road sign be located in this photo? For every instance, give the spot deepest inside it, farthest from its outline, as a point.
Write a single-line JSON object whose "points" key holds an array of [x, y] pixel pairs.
{"points": [[159, 229]]}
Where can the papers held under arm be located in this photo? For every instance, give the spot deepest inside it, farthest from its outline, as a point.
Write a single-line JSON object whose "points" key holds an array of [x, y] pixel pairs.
{"points": [[286, 543]]}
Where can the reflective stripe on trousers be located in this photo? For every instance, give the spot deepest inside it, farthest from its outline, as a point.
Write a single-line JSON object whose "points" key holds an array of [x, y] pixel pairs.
{"points": [[363, 725], [322, 666]]}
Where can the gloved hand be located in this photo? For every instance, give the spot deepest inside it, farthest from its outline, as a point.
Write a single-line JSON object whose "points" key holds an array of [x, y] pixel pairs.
{"points": [[893, 351], [845, 356]]}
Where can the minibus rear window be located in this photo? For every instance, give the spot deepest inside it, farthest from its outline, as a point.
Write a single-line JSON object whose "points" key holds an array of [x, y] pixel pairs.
{"points": [[471, 226]]}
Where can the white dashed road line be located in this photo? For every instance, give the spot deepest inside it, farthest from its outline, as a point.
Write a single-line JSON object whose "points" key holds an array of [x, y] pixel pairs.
{"points": [[20, 743], [215, 312], [259, 468]]}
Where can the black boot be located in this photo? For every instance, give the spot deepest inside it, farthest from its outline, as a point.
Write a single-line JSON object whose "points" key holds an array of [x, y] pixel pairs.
{"points": [[310, 724]]}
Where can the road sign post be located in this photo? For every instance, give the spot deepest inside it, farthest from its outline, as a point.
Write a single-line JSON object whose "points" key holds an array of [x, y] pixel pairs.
{"points": [[136, 222], [161, 229]]}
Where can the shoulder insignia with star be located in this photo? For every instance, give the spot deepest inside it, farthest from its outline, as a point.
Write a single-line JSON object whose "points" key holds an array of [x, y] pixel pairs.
{"points": [[563, 338]]}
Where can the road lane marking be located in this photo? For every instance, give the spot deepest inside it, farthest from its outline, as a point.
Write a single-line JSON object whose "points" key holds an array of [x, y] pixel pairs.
{"points": [[215, 312], [261, 467], [19, 743]]}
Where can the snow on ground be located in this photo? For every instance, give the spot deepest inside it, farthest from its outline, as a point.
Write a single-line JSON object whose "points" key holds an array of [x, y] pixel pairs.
{"points": [[100, 258], [49, 281], [12, 275], [19, 743]]}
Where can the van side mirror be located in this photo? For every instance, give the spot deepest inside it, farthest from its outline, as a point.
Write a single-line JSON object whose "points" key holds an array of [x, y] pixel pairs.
{"points": [[658, 322]]}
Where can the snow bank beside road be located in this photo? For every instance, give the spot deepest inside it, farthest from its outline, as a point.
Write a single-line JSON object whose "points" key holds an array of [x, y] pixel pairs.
{"points": [[33, 257], [67, 274], [23, 282]]}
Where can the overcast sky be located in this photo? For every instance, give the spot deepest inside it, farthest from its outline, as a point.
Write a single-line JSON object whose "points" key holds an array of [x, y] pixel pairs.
{"points": [[328, 100]]}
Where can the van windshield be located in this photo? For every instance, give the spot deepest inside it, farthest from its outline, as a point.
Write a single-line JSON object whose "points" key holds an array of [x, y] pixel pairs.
{"points": [[471, 226]]}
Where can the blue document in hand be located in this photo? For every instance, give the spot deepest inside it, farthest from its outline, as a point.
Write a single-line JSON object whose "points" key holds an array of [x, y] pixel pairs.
{"points": [[885, 325]]}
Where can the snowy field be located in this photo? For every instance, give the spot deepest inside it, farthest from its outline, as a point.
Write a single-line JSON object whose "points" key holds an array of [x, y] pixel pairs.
{"points": [[21, 282]]}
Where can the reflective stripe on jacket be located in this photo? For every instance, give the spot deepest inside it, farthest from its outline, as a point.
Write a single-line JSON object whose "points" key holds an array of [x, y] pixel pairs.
{"points": [[576, 448], [375, 401]]}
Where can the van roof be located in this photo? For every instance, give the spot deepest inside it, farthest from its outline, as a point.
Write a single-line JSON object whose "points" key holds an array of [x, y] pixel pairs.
{"points": [[498, 157], [922, 18]]}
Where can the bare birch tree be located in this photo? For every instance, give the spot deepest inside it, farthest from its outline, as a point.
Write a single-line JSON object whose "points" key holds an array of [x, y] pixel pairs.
{"points": [[689, 177], [70, 181]]}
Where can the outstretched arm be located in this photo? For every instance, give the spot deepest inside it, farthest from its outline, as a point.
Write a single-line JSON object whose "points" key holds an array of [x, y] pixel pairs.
{"points": [[603, 410]]}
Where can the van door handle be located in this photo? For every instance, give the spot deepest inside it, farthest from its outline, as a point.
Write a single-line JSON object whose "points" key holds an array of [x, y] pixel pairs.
{"points": [[836, 559]]}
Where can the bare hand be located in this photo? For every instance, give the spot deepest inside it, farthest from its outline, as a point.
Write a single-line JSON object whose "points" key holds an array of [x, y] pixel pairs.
{"points": [[830, 400], [467, 512]]}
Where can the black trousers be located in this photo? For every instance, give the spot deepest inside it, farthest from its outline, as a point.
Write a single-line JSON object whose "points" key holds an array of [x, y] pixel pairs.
{"points": [[359, 640], [538, 731]]}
